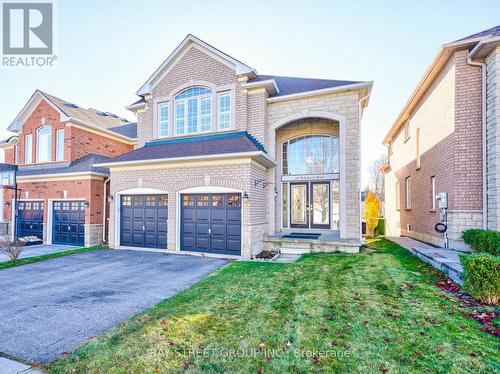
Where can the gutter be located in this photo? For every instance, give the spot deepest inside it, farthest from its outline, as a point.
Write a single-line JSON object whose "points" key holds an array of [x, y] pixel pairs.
{"points": [[482, 65], [73, 174], [105, 197], [190, 158]]}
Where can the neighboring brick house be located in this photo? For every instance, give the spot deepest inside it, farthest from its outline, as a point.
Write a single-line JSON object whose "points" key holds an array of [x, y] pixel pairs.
{"points": [[447, 139], [228, 161], [61, 195]]}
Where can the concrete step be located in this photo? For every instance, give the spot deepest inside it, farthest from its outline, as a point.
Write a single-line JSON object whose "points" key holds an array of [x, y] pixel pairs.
{"points": [[294, 251], [287, 258]]}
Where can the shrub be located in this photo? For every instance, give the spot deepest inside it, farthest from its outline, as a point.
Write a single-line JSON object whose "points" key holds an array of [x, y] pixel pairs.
{"points": [[372, 212], [481, 276], [380, 229], [483, 240], [11, 248]]}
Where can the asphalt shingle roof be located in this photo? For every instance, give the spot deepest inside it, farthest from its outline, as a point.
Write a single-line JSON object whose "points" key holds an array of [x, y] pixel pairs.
{"points": [[129, 130], [292, 85], [84, 164], [494, 31], [236, 142]]}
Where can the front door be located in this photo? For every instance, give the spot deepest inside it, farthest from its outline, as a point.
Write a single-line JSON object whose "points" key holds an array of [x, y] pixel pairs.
{"points": [[310, 205]]}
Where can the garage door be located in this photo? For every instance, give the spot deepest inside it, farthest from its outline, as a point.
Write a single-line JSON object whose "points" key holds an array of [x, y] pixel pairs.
{"points": [[211, 223], [143, 221], [30, 219], [68, 222]]}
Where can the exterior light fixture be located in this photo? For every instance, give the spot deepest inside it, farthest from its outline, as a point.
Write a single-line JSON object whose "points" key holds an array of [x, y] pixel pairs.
{"points": [[85, 204], [110, 198], [275, 191], [7, 203], [245, 197]]}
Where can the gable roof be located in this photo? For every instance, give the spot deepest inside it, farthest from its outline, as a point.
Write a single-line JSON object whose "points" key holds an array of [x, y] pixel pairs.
{"points": [[129, 130], [474, 43], [83, 164], [103, 121], [240, 67], [293, 85], [208, 145]]}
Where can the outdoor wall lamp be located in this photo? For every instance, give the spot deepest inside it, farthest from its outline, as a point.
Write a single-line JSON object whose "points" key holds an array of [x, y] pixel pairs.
{"points": [[85, 204], [110, 198], [275, 192], [245, 197], [7, 203]]}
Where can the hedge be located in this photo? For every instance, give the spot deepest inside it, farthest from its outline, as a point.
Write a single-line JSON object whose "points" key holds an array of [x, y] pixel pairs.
{"points": [[483, 240], [380, 229], [481, 276]]}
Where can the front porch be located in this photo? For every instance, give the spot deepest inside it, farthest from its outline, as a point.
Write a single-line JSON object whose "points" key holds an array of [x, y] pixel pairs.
{"points": [[294, 242]]}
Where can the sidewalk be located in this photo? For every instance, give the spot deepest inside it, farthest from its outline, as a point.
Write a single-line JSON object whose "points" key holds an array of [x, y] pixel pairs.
{"points": [[13, 367], [446, 260]]}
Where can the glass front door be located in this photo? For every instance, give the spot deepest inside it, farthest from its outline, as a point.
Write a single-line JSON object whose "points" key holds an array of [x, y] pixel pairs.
{"points": [[310, 205]]}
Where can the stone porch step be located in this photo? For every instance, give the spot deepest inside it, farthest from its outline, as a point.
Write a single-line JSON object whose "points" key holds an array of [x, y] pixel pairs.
{"points": [[294, 251]]}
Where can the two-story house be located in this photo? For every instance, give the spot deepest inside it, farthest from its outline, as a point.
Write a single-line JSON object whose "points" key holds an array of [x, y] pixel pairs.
{"points": [[447, 139], [61, 196], [229, 161]]}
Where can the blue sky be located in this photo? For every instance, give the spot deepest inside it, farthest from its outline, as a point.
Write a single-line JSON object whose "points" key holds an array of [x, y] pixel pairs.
{"points": [[107, 49]]}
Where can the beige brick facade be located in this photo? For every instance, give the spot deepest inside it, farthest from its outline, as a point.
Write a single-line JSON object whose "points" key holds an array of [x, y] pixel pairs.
{"points": [[269, 121]]}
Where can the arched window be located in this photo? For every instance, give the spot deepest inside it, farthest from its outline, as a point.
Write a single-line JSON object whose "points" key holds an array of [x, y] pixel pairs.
{"points": [[311, 154], [44, 144], [193, 111]]}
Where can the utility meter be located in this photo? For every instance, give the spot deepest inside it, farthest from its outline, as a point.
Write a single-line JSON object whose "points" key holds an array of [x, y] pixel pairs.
{"points": [[442, 198]]}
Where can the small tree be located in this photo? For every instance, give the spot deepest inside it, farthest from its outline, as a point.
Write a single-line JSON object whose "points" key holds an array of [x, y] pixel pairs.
{"points": [[372, 211], [11, 248]]}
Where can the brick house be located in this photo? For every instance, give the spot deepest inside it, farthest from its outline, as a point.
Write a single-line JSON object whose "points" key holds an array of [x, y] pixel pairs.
{"points": [[51, 157], [447, 139], [229, 161]]}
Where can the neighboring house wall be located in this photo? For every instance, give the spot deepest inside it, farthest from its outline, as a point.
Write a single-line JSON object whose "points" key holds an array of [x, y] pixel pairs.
{"points": [[81, 142], [493, 138], [448, 122]]}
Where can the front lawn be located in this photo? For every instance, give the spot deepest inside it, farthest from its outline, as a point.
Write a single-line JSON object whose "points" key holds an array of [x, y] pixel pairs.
{"points": [[372, 312]]}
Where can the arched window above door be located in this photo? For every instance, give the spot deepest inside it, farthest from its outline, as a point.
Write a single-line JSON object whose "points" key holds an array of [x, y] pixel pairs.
{"points": [[311, 154]]}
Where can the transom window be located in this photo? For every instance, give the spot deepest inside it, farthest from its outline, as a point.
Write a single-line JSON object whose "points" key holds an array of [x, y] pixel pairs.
{"points": [[312, 154], [44, 144], [193, 111]]}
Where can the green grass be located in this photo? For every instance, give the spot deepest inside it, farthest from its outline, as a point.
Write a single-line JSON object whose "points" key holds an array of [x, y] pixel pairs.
{"points": [[49, 256], [364, 313]]}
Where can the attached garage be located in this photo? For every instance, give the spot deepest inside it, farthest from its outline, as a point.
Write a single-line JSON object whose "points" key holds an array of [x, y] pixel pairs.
{"points": [[143, 221], [211, 223], [68, 222], [30, 219]]}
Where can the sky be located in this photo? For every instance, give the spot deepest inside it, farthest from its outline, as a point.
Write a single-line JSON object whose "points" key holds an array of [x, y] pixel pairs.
{"points": [[107, 49]]}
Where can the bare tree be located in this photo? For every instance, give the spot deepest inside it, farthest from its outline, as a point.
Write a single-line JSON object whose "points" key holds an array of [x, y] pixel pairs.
{"points": [[376, 176], [11, 248]]}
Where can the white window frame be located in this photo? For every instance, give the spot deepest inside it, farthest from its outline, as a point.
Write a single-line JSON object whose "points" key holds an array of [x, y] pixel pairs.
{"points": [[38, 158], [16, 154], [398, 196], [220, 113], [59, 145], [163, 123], [28, 149], [185, 118], [408, 193], [433, 193]]}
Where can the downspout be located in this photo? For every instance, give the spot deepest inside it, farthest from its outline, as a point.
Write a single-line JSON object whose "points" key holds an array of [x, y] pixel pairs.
{"points": [[360, 114], [482, 65], [105, 198]]}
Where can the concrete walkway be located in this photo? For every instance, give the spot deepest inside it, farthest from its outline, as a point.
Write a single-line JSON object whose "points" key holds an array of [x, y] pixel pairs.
{"points": [[446, 260], [38, 250], [13, 367]]}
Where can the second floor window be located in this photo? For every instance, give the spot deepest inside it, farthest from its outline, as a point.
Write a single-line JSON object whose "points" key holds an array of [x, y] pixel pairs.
{"points": [[163, 120], [59, 145], [224, 120], [193, 111], [28, 149], [44, 144]]}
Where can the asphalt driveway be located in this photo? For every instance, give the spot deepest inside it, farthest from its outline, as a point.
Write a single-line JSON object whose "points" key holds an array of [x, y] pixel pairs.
{"points": [[51, 307]]}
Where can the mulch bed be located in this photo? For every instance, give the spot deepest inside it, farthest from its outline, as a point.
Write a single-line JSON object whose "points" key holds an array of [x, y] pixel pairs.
{"points": [[266, 255]]}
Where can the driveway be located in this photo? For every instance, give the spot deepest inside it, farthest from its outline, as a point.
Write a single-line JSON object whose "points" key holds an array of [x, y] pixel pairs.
{"points": [[38, 250], [51, 307]]}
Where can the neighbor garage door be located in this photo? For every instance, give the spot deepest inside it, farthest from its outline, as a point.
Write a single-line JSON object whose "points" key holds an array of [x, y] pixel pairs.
{"points": [[30, 219], [143, 221], [211, 223], [68, 222]]}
